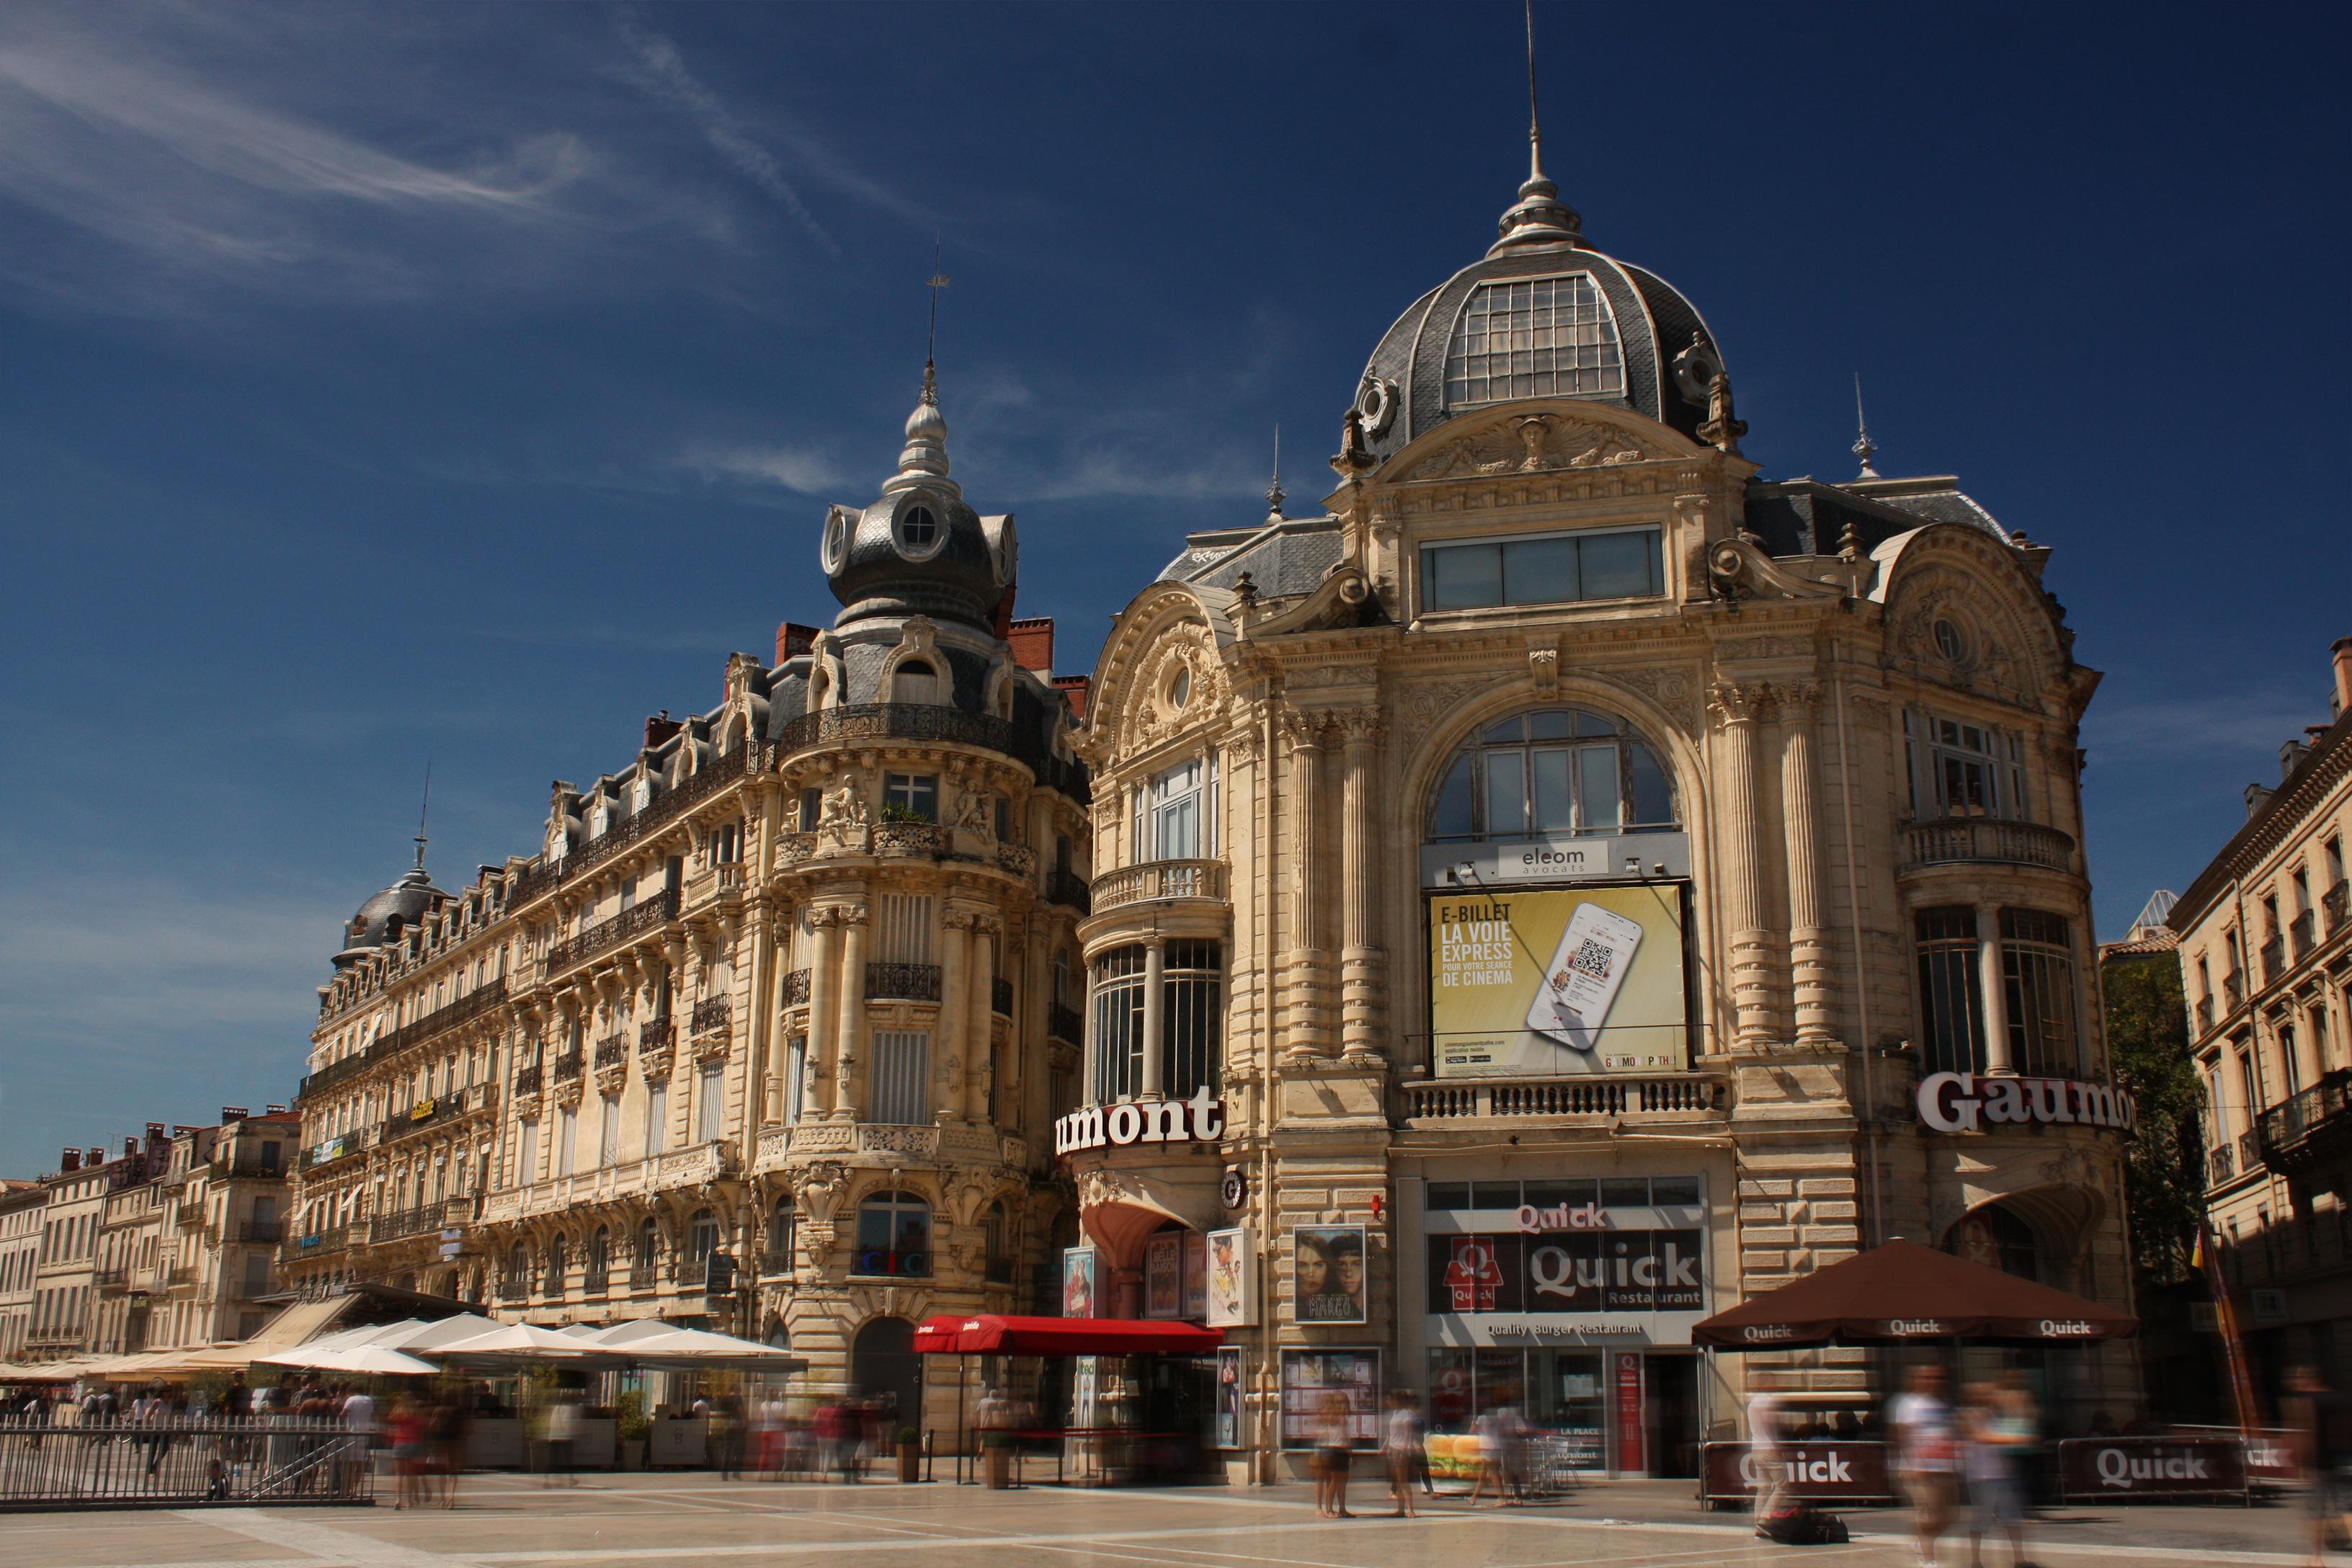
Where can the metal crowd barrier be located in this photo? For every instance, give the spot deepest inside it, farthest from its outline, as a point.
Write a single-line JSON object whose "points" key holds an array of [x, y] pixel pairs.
{"points": [[180, 1460]]}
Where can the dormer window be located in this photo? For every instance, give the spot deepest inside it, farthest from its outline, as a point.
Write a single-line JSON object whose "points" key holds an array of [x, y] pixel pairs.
{"points": [[917, 533], [916, 680], [1541, 337]]}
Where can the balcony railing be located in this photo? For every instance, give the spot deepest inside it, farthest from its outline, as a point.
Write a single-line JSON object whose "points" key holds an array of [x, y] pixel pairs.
{"points": [[568, 1066], [2234, 990], [1462, 1099], [325, 1243], [713, 1014], [1985, 841], [2220, 1165], [514, 1288], [2250, 1151], [775, 1265], [912, 838], [2273, 955], [795, 988], [527, 1079], [2305, 933], [113, 1279], [442, 1019], [871, 721], [902, 981], [597, 1279], [2335, 903], [693, 1270], [2306, 1127], [657, 1037], [260, 1232], [612, 1051], [1158, 879], [605, 935], [1068, 887], [2204, 1015], [1000, 997], [661, 812], [1066, 1023], [445, 1214]]}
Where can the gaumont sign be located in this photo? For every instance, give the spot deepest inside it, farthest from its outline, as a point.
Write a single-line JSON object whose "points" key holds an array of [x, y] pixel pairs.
{"points": [[1200, 1119], [1821, 1472], [1967, 1102], [2151, 1467]]}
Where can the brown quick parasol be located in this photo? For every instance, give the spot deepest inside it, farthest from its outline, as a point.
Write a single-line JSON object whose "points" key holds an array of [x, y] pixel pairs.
{"points": [[1903, 1293]]}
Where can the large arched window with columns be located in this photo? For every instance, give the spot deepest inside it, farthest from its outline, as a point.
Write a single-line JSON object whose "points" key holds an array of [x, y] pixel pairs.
{"points": [[1550, 773], [1159, 1020]]}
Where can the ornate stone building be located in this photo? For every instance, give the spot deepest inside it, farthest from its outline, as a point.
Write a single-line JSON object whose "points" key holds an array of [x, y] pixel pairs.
{"points": [[1573, 883], [2266, 958], [768, 1031]]}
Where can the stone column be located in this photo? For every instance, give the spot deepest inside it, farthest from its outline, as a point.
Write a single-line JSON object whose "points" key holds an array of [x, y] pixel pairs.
{"points": [[1736, 709], [1359, 953], [1809, 938], [850, 1030], [824, 958], [980, 1037], [1155, 1021], [1992, 991], [1305, 964], [954, 1016], [764, 1096]]}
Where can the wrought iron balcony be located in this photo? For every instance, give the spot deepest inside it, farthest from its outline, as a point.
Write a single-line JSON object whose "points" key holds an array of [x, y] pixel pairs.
{"points": [[2336, 902], [713, 1014], [775, 1265], [693, 1270], [514, 1288], [527, 1079], [326, 1243], [795, 988], [568, 1066], [415, 1031], [1000, 997], [2234, 990], [612, 1051], [1155, 880], [597, 1281], [2307, 1127], [2220, 1165], [2273, 955], [661, 812], [2305, 933], [1066, 1023], [260, 1232], [1069, 889], [865, 723], [2250, 1151], [113, 1279], [2204, 1015], [902, 981], [657, 1037], [1552, 1099], [1960, 841], [605, 935]]}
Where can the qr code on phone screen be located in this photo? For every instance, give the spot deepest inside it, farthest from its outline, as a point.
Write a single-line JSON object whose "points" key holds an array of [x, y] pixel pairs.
{"points": [[1592, 958]]}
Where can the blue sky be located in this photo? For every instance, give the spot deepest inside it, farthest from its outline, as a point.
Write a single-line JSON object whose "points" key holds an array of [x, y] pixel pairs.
{"points": [[405, 383]]}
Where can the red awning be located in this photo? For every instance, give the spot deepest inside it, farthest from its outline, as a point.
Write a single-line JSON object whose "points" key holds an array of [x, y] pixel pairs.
{"points": [[990, 1333], [1903, 1293]]}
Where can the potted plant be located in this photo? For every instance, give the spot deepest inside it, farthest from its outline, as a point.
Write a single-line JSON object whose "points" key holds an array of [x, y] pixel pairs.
{"points": [[635, 1427], [910, 1454]]}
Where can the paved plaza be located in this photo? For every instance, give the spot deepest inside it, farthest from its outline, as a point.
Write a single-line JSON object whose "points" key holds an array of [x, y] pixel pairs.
{"points": [[654, 1520]]}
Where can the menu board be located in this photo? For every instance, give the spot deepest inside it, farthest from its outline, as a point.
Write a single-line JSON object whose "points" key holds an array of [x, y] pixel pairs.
{"points": [[1308, 1379]]}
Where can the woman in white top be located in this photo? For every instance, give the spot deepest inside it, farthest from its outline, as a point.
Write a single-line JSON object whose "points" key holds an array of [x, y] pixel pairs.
{"points": [[1400, 1446]]}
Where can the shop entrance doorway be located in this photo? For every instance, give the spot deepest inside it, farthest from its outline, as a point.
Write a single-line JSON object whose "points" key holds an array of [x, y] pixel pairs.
{"points": [[883, 1364], [1670, 1414]]}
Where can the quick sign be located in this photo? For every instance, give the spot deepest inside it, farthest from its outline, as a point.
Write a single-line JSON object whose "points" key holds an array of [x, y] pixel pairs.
{"points": [[1200, 1119], [1619, 1271], [2151, 1467], [1966, 1102], [1819, 1472]]}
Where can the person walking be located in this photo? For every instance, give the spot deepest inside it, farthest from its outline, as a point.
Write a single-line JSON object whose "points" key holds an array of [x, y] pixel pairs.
{"points": [[1334, 1447], [1995, 1430], [1768, 1422], [1921, 1425], [2314, 1423], [1401, 1446]]}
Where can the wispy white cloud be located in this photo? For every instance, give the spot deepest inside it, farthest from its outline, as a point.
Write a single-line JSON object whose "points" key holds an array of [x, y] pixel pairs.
{"points": [[2207, 726], [803, 470], [662, 71]]}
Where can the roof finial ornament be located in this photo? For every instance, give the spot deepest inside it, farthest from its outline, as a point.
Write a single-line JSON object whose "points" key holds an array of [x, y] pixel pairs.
{"points": [[937, 281], [1539, 216], [1275, 493], [925, 459], [1721, 430], [424, 813], [1863, 446]]}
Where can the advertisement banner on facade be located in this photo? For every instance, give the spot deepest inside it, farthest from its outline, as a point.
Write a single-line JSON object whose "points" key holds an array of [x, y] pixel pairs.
{"points": [[2151, 1467], [1577, 1271], [1818, 1472], [1231, 1393], [1327, 1274], [1232, 1283], [1558, 981], [1079, 1283], [1163, 1275], [1196, 1276]]}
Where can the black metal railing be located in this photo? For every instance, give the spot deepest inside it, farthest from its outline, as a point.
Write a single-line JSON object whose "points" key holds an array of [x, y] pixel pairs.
{"points": [[774, 1265], [415, 1031], [612, 1051], [2273, 956], [1066, 1023], [2220, 1165], [2336, 902], [2234, 990], [867, 722], [714, 1013], [656, 1036], [527, 1079], [1069, 889], [260, 1232], [2250, 1151], [795, 988], [1000, 997], [2304, 1127], [662, 811], [2204, 1015], [693, 1270], [52, 1462], [113, 1279], [597, 1281], [2305, 933], [333, 1239], [568, 1066], [605, 935], [902, 981]]}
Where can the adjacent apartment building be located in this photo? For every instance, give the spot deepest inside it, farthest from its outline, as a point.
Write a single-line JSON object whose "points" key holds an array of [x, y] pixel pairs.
{"points": [[2266, 961]]}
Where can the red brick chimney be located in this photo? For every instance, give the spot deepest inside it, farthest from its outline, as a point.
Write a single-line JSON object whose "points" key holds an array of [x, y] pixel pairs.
{"points": [[71, 1160], [1078, 689], [1032, 644], [793, 639], [660, 727]]}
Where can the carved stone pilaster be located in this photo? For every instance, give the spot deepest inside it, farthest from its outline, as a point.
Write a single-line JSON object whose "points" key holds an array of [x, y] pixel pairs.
{"points": [[1736, 712]]}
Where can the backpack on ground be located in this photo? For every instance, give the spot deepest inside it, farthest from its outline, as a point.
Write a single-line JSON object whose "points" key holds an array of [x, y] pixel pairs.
{"points": [[1801, 1524]]}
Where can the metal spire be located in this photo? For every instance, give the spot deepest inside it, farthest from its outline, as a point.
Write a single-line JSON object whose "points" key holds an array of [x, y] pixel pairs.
{"points": [[937, 281], [1535, 123], [423, 811], [1863, 446], [1539, 216], [1274, 492]]}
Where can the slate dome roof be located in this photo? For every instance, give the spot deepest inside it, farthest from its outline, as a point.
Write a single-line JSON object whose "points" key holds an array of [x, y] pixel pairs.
{"points": [[919, 548], [407, 901], [1666, 352]]}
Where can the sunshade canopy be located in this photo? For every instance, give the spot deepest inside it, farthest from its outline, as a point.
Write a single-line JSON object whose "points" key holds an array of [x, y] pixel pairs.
{"points": [[1902, 1292], [678, 1349], [373, 1360], [989, 1333], [511, 1343]]}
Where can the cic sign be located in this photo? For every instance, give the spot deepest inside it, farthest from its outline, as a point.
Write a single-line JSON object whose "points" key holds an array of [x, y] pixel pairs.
{"points": [[1200, 1119], [1967, 1102]]}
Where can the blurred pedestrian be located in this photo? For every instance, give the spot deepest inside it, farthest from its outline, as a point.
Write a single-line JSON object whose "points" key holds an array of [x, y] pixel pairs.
{"points": [[1401, 1446], [1334, 1450], [1993, 1434], [1925, 1453], [2316, 1435], [1767, 1421]]}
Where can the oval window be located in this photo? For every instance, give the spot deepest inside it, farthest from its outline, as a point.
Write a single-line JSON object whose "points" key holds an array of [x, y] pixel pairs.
{"points": [[918, 529], [837, 540], [1180, 690], [1949, 641]]}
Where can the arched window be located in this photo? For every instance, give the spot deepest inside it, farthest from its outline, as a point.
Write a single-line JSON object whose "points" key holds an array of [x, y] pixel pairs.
{"points": [[1536, 337], [557, 1266], [517, 1269], [648, 1243], [783, 1228], [893, 1236], [916, 680], [702, 1235], [600, 1259], [1553, 772]]}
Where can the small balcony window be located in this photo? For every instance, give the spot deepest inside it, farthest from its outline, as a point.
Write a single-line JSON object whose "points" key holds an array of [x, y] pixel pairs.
{"points": [[893, 1236], [910, 797]]}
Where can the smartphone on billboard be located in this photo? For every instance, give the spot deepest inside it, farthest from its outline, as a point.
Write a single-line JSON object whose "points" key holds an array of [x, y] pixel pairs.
{"points": [[1581, 983]]}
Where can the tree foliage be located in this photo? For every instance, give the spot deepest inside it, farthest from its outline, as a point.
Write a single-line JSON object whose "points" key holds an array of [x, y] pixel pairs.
{"points": [[2164, 1171]]}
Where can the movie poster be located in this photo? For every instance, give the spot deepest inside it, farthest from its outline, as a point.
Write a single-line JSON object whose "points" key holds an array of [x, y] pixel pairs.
{"points": [[1328, 1281], [1558, 981], [1163, 1275], [1196, 1276], [1079, 1283], [1232, 1280], [1230, 1395]]}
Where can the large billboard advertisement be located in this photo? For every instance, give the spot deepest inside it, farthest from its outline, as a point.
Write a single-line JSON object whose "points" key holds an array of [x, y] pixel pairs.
{"points": [[1558, 981]]}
